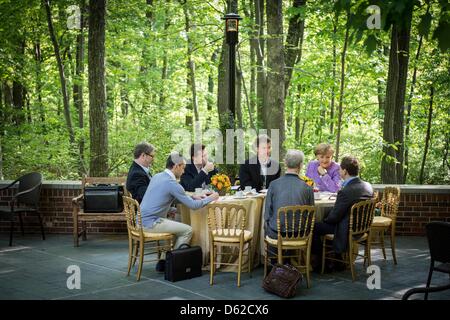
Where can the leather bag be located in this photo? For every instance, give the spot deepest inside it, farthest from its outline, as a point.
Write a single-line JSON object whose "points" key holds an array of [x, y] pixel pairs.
{"points": [[103, 199], [183, 263], [282, 280]]}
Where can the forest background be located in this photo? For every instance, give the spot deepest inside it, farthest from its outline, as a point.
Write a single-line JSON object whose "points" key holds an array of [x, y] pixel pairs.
{"points": [[83, 81]]}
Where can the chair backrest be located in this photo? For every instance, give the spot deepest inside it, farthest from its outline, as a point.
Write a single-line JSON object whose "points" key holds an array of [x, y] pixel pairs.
{"points": [[132, 214], [121, 181], [27, 182], [390, 202], [361, 217], [438, 234], [295, 222], [227, 220]]}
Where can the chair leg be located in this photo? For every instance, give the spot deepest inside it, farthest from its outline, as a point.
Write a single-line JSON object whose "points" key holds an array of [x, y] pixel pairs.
{"points": [[21, 223], [241, 249], [130, 254], [250, 260], [11, 230], [430, 273], [159, 249], [383, 248], [350, 260], [266, 258], [212, 263], [308, 264], [42, 225], [141, 259], [135, 252], [393, 245], [84, 230], [75, 229], [323, 255]]}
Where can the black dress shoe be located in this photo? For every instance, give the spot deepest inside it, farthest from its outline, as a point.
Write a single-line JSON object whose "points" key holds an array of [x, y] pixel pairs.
{"points": [[161, 266]]}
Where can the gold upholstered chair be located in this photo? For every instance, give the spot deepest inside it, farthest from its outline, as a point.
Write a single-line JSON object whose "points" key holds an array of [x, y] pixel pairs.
{"points": [[227, 223], [296, 236], [360, 222], [137, 237], [387, 221]]}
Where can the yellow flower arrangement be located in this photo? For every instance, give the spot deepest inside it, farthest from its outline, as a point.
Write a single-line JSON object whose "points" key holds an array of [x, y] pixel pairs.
{"points": [[308, 181], [221, 182]]}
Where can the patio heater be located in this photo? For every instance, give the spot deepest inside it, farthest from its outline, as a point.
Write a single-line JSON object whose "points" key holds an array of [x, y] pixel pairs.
{"points": [[231, 28]]}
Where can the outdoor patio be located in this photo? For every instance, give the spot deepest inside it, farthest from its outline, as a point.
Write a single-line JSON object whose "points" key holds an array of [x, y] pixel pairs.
{"points": [[36, 269]]}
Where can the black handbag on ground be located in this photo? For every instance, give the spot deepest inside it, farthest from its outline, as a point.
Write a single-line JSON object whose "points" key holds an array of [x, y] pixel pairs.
{"points": [[103, 199], [282, 280], [183, 263]]}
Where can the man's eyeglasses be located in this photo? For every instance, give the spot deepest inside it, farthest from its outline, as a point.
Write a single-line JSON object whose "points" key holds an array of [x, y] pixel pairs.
{"points": [[151, 155]]}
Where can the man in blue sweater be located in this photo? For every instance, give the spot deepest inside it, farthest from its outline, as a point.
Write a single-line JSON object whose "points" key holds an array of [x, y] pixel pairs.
{"points": [[161, 192]]}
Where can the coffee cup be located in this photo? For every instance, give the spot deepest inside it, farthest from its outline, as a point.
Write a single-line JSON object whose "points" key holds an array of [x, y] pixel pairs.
{"points": [[198, 191], [248, 189]]}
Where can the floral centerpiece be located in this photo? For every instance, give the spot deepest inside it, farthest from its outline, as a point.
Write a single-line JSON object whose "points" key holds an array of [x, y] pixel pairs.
{"points": [[308, 180], [221, 183]]}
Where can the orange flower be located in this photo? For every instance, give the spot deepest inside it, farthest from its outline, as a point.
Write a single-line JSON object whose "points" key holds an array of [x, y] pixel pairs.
{"points": [[219, 186]]}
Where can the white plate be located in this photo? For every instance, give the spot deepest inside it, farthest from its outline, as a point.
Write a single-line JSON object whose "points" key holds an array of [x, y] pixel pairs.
{"points": [[263, 191]]}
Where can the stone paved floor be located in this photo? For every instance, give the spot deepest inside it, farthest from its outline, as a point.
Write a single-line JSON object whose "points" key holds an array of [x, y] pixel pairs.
{"points": [[36, 269]]}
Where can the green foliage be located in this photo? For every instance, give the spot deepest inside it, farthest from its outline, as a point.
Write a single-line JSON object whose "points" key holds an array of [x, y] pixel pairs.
{"points": [[144, 103]]}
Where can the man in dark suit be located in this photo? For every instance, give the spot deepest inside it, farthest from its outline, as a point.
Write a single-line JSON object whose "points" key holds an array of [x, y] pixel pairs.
{"points": [[198, 173], [337, 222], [139, 174], [259, 171]]}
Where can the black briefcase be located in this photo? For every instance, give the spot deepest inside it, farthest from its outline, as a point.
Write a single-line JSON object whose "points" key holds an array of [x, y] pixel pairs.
{"points": [[103, 199], [183, 263]]}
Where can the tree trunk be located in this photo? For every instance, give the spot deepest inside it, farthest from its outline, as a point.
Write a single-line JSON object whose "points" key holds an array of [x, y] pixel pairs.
{"points": [[98, 121], [162, 94], [210, 97], [261, 77], [78, 87], [239, 81], [190, 62], [428, 135], [408, 110], [393, 126], [333, 87], [294, 41], [62, 77], [275, 65], [38, 60], [253, 35], [342, 87]]}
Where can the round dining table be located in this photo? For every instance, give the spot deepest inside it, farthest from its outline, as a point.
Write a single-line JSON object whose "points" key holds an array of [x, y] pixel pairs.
{"points": [[254, 205]]}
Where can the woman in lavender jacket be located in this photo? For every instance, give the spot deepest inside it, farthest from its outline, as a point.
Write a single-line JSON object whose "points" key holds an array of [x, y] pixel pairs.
{"points": [[324, 171]]}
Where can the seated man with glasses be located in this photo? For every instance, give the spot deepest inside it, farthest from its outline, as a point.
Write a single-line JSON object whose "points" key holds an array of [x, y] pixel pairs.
{"points": [[139, 174]]}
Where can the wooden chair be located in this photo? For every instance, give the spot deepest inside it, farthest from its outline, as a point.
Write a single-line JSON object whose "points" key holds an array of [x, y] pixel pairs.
{"points": [[361, 217], [137, 237], [387, 220], [299, 226], [226, 224], [79, 216]]}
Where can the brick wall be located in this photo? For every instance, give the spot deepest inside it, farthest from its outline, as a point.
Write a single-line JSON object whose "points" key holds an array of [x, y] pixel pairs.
{"points": [[56, 210], [416, 210], [418, 206]]}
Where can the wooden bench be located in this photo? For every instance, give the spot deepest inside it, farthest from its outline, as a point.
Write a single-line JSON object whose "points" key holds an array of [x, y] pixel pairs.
{"points": [[79, 216]]}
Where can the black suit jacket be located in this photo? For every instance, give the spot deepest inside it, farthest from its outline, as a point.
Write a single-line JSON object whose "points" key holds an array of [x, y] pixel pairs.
{"points": [[192, 179], [137, 181], [355, 191], [250, 174]]}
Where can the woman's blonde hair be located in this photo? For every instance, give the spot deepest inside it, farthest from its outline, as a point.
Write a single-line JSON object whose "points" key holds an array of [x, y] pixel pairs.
{"points": [[323, 148]]}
